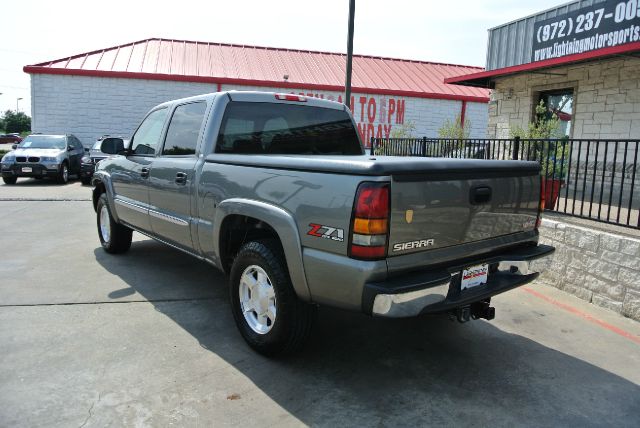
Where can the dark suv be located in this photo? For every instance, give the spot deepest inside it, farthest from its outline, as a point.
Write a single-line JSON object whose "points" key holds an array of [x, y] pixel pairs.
{"points": [[95, 155]]}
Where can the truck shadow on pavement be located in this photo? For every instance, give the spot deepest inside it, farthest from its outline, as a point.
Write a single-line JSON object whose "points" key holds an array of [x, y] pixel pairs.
{"points": [[358, 370]]}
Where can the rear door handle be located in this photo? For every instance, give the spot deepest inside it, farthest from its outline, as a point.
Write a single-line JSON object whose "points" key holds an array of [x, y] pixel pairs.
{"points": [[181, 178], [144, 172]]}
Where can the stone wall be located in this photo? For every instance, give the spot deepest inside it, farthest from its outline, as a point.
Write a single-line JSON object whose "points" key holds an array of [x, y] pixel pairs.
{"points": [[600, 267], [606, 98]]}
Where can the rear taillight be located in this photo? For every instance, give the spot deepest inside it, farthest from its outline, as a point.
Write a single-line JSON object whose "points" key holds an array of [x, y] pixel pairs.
{"points": [[541, 203], [291, 97], [370, 224]]}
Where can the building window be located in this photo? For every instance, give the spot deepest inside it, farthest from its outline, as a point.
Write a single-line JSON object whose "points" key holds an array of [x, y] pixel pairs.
{"points": [[560, 103]]}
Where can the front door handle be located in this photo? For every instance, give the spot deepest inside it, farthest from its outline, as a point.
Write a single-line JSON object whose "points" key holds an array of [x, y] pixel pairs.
{"points": [[181, 178], [144, 172]]}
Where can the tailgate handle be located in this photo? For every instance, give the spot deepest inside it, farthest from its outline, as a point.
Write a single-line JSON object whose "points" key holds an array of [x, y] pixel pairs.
{"points": [[480, 195]]}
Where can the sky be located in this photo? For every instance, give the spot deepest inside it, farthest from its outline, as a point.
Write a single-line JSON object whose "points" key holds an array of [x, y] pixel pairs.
{"points": [[444, 31]]}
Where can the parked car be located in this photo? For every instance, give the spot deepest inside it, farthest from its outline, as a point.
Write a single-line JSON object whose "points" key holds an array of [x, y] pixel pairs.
{"points": [[95, 155], [276, 190], [10, 139], [43, 156]]}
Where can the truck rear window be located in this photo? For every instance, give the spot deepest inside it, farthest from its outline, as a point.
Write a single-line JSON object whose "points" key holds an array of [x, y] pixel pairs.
{"points": [[272, 128]]}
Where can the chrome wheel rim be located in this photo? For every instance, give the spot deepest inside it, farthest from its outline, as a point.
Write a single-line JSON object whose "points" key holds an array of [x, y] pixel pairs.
{"points": [[105, 224], [257, 299], [65, 173]]}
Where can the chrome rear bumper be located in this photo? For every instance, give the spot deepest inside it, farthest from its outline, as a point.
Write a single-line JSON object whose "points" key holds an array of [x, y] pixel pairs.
{"points": [[409, 304], [526, 267], [437, 295]]}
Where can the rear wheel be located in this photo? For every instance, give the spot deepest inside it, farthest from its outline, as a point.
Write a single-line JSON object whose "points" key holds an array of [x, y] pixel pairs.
{"points": [[10, 180], [114, 237], [85, 180], [63, 174], [269, 315]]}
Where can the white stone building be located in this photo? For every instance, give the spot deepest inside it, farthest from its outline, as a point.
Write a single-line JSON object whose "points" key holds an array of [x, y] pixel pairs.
{"points": [[110, 90], [587, 72]]}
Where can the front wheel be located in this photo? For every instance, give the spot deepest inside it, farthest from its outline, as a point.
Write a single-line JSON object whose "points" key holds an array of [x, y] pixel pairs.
{"points": [[114, 237], [269, 315], [63, 174]]}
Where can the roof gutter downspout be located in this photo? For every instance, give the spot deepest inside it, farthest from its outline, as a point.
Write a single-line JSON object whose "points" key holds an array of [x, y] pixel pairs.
{"points": [[463, 112]]}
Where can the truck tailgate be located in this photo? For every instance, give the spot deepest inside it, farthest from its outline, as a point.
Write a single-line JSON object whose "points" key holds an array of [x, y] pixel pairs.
{"points": [[458, 207]]}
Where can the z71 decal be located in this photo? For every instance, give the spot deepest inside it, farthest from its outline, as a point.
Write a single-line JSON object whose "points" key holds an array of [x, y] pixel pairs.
{"points": [[327, 232]]}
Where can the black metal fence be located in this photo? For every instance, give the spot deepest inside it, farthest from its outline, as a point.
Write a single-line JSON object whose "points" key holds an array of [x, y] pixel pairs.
{"points": [[587, 178]]}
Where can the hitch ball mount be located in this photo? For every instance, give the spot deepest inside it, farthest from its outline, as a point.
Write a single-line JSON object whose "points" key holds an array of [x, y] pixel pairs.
{"points": [[475, 311]]}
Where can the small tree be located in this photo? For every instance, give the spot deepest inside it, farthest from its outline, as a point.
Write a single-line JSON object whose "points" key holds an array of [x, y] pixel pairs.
{"points": [[16, 121], [545, 125], [405, 130], [552, 153], [455, 130]]}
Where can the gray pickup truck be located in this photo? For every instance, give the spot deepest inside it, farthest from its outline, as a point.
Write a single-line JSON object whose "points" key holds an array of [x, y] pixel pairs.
{"points": [[276, 190]]}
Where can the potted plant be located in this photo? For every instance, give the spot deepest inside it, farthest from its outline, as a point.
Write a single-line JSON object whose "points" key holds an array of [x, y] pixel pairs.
{"points": [[553, 155], [549, 148]]}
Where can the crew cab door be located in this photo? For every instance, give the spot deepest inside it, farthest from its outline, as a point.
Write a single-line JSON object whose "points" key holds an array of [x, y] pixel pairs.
{"points": [[130, 174], [172, 176]]}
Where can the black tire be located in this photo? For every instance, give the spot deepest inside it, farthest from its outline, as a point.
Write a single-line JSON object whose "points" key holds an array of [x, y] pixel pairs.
{"points": [[294, 318], [118, 239], [85, 180], [63, 174], [10, 180]]}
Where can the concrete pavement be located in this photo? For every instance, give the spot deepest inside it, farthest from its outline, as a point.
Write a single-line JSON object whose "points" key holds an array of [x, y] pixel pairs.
{"points": [[147, 339]]}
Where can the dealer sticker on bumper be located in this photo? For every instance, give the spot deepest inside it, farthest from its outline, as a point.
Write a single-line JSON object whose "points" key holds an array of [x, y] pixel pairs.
{"points": [[474, 276]]}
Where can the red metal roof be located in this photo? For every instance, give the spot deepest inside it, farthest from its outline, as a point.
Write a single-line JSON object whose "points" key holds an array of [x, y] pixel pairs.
{"points": [[183, 60], [485, 79]]}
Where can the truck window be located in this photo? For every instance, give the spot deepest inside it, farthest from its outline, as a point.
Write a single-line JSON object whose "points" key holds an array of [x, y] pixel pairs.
{"points": [[146, 139], [184, 128], [273, 128]]}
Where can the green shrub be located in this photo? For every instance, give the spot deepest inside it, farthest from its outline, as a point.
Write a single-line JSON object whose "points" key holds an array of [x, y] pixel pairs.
{"points": [[455, 130], [15, 122], [553, 149]]}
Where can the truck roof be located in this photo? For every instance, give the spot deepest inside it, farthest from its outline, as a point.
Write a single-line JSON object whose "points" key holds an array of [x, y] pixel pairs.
{"points": [[263, 97]]}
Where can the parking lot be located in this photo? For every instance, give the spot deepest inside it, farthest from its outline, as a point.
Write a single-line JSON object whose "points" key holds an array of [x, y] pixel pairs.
{"points": [[147, 339]]}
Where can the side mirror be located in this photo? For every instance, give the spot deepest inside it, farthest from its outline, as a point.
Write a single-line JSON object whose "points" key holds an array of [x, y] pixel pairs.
{"points": [[112, 146], [70, 149], [14, 146]]}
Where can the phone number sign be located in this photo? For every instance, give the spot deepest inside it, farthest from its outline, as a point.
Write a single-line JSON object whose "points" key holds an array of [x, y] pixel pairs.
{"points": [[601, 25]]}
